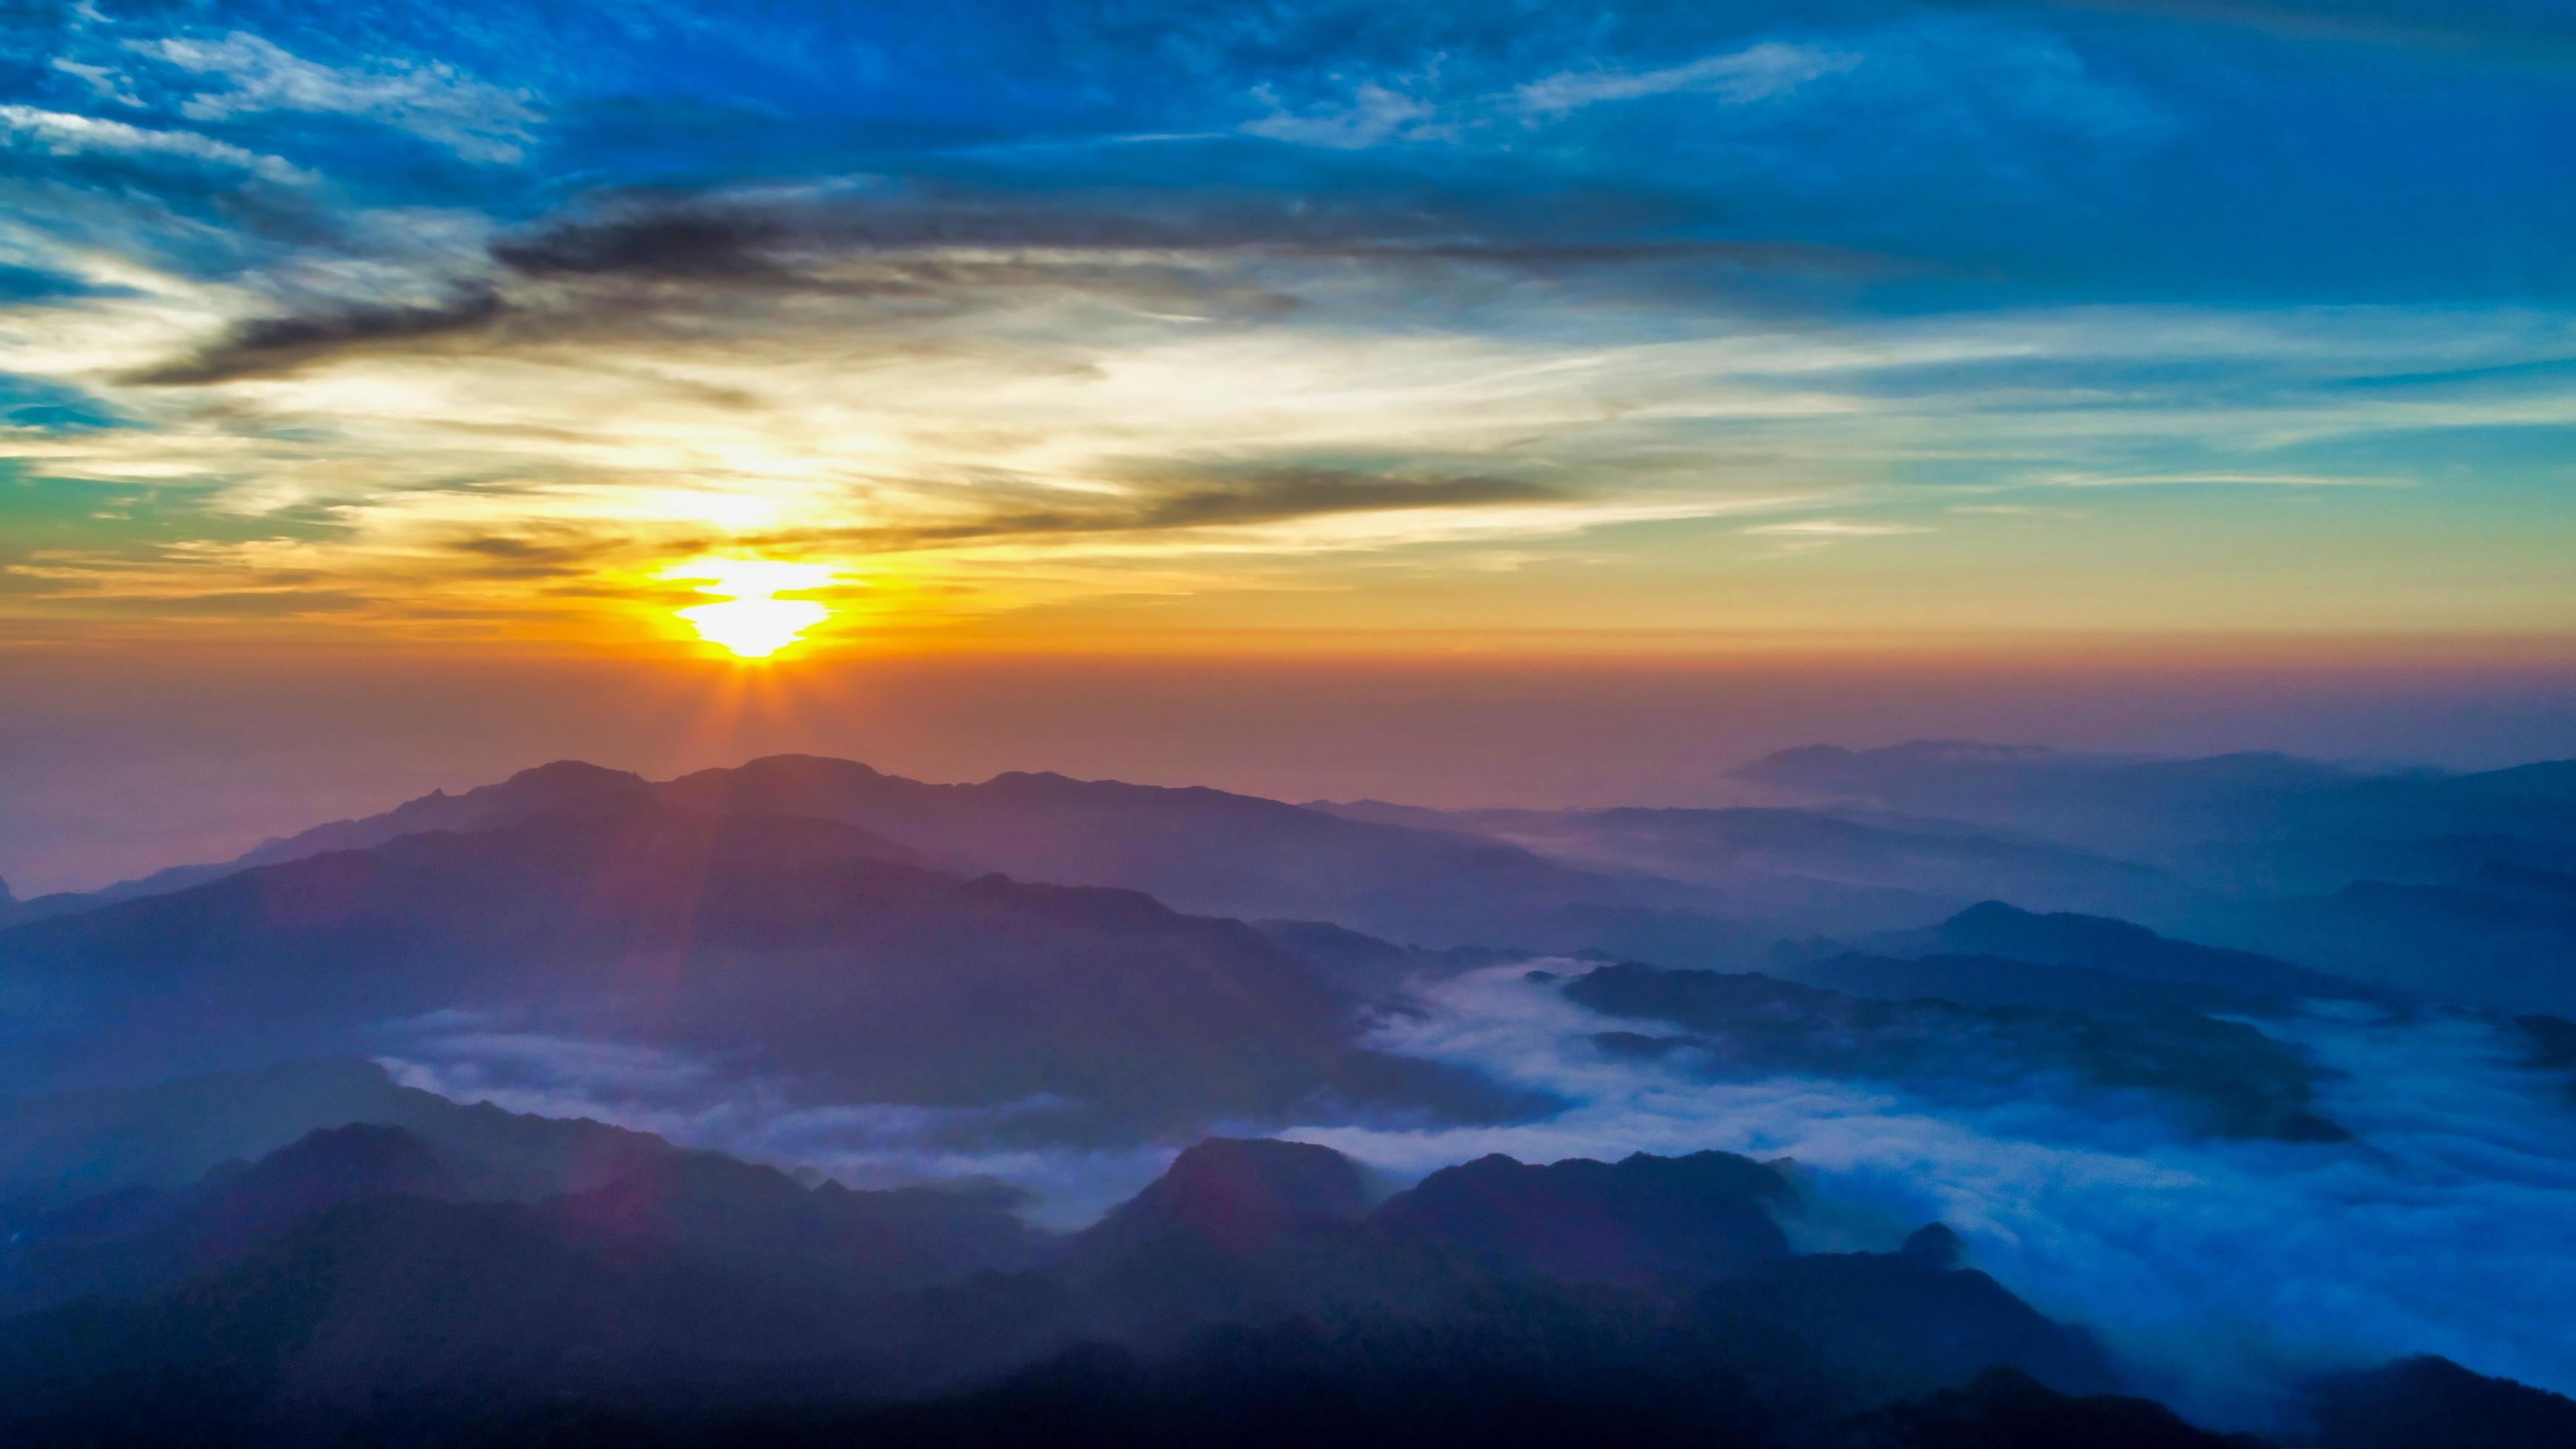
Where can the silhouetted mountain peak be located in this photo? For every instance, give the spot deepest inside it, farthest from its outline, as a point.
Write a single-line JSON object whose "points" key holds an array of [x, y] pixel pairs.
{"points": [[1702, 1216], [322, 1169], [1987, 916], [556, 785], [803, 767], [336, 1159], [1240, 1194], [1934, 1245], [564, 780], [2065, 938]]}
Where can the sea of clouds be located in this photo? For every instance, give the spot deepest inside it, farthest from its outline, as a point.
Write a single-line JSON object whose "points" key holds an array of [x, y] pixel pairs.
{"points": [[2219, 1271]]}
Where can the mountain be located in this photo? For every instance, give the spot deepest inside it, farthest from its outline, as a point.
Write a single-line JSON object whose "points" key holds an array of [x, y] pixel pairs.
{"points": [[2503, 949], [169, 1133], [797, 947], [1795, 868], [2223, 1078], [2433, 1403], [1999, 982], [609, 1185], [1235, 1196], [1642, 1219], [375, 1320], [2099, 943], [2005, 1409], [398, 1318], [2128, 803], [1223, 854], [1199, 850], [1251, 1293], [138, 1241], [544, 789], [2085, 799]]}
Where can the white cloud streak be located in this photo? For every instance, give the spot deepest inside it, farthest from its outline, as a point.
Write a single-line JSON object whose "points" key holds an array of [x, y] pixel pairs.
{"points": [[435, 101], [64, 133], [1756, 73]]}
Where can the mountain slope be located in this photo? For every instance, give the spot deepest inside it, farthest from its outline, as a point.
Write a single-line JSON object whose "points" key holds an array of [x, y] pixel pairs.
{"points": [[1199, 850], [1802, 868], [2100, 943], [795, 946], [404, 1319], [609, 1186], [2223, 1078]]}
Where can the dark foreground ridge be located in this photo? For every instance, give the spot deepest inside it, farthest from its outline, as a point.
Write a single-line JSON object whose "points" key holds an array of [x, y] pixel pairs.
{"points": [[490, 1278]]}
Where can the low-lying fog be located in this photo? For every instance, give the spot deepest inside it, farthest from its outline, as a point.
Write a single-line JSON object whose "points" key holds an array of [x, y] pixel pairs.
{"points": [[2218, 1268]]}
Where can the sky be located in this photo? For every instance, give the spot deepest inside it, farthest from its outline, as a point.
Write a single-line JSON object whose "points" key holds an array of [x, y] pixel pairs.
{"points": [[470, 338]]}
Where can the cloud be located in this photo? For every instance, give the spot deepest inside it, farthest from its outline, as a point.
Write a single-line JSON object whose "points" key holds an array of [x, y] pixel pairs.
{"points": [[541, 553], [745, 234], [63, 133], [1289, 493], [2224, 480], [103, 81], [1373, 114], [702, 1102], [1803, 534], [1268, 496], [681, 242], [1759, 72], [1832, 528], [1376, 113], [268, 346], [2504, 31], [2219, 1270], [431, 100]]}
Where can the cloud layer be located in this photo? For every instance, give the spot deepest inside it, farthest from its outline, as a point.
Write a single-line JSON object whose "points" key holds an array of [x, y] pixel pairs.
{"points": [[2221, 1271], [1023, 317]]}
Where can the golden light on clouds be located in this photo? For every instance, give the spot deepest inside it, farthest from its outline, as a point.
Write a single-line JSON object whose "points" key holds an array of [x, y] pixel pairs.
{"points": [[751, 621]]}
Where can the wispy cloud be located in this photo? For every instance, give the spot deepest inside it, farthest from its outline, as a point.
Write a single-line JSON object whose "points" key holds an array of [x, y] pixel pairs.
{"points": [[432, 100], [64, 133], [1373, 114], [1755, 73], [1376, 112], [1804, 535], [2222, 479], [104, 81]]}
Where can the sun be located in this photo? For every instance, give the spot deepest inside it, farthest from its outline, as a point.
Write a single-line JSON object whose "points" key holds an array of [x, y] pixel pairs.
{"points": [[752, 622]]}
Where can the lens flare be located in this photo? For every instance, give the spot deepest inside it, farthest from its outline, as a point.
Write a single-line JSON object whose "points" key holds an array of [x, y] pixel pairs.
{"points": [[752, 622]]}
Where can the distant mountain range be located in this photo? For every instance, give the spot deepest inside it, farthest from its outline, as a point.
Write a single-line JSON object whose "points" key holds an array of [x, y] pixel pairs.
{"points": [[2450, 885], [2133, 801], [1198, 850], [2364, 875], [1851, 868]]}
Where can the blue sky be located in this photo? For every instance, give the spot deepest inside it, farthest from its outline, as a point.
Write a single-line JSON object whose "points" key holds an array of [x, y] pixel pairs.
{"points": [[1105, 321]]}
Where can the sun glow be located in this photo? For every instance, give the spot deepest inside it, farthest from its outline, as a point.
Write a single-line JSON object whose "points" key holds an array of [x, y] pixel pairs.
{"points": [[752, 622]]}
